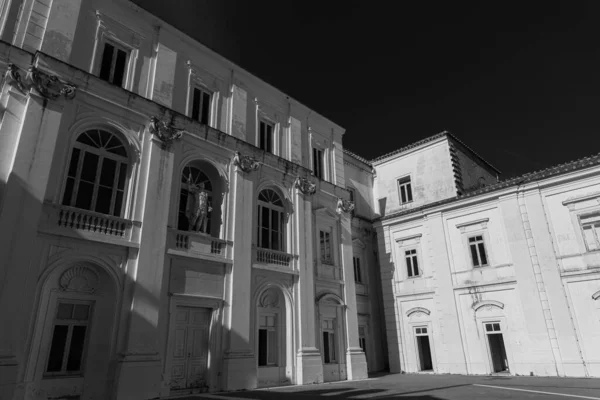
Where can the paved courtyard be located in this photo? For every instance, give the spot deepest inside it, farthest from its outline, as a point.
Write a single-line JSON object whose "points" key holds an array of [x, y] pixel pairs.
{"points": [[427, 387]]}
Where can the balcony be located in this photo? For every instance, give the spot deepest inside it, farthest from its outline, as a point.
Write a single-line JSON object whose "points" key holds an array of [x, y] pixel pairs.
{"points": [[84, 224], [275, 260], [199, 245]]}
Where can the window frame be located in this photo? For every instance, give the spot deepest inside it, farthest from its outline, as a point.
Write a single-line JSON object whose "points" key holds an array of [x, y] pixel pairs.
{"points": [[276, 333], [329, 357], [268, 123], [318, 162], [261, 205], [477, 243], [117, 45], [352, 192], [102, 155], [413, 256], [403, 182], [326, 233], [358, 272], [595, 232], [54, 321], [203, 91]]}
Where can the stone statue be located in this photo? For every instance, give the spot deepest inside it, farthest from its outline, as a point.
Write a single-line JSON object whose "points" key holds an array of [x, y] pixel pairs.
{"points": [[197, 207]]}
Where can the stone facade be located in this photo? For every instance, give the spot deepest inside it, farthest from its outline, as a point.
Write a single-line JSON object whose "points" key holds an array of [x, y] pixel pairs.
{"points": [[162, 217], [172, 224]]}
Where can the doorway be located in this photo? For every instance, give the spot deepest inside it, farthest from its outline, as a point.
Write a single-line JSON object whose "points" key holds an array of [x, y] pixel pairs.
{"points": [[189, 351], [424, 349], [496, 347]]}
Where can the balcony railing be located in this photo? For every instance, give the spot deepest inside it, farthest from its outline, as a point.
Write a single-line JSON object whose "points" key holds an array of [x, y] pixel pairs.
{"points": [[268, 256], [88, 224], [195, 243]]}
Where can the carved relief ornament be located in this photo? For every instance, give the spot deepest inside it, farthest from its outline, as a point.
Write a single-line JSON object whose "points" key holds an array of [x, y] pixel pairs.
{"points": [[166, 132], [48, 86], [345, 206], [245, 163], [305, 186], [79, 279]]}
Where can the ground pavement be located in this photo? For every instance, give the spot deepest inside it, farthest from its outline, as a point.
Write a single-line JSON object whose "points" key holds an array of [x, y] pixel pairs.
{"points": [[426, 387]]}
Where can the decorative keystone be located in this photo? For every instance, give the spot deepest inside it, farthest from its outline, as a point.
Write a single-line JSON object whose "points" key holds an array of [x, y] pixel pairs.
{"points": [[305, 186], [48, 86], [167, 133], [245, 163], [345, 206]]}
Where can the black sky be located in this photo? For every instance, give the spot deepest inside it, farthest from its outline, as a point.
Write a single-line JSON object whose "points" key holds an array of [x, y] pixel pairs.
{"points": [[517, 81]]}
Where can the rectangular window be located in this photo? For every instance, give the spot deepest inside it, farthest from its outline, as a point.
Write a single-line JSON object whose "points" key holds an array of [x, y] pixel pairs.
{"points": [[267, 341], [114, 64], [590, 224], [325, 243], [265, 139], [412, 263], [318, 162], [405, 190], [201, 105], [69, 335], [328, 327], [492, 327], [478, 254], [357, 272]]}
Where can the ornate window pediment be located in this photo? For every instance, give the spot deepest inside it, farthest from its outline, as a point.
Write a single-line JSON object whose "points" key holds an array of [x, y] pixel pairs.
{"points": [[417, 312], [488, 304], [79, 279]]}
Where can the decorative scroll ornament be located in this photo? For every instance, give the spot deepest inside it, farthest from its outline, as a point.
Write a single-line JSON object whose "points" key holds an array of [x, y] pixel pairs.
{"points": [[48, 86], [306, 186], [344, 206], [167, 133], [79, 279], [245, 163]]}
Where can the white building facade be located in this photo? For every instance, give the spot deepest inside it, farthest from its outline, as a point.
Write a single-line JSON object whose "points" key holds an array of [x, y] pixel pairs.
{"points": [[483, 277], [172, 224]]}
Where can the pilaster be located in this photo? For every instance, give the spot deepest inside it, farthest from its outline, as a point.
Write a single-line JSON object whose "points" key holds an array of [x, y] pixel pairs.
{"points": [[239, 363], [355, 358], [141, 358], [309, 363]]}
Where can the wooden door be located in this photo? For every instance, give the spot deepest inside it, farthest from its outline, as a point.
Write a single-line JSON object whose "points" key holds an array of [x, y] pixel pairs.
{"points": [[189, 357]]}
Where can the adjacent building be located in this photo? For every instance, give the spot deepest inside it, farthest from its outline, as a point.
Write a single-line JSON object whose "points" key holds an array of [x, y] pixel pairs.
{"points": [[172, 224]]}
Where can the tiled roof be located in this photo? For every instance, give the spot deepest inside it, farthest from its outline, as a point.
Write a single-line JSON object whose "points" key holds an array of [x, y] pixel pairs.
{"points": [[359, 158], [430, 139], [519, 180], [410, 146]]}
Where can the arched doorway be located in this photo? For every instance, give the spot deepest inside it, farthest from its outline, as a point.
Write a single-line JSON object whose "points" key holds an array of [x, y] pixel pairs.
{"points": [[72, 352], [273, 338]]}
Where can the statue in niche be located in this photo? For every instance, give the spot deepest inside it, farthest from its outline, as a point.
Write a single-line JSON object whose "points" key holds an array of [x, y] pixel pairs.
{"points": [[197, 207]]}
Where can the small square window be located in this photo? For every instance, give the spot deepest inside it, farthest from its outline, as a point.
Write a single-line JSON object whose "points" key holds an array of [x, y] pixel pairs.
{"points": [[405, 190], [477, 249], [114, 64], [265, 138]]}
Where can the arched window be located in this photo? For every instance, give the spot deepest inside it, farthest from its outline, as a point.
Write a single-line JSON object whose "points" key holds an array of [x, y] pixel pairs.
{"points": [[193, 214], [270, 220], [97, 173]]}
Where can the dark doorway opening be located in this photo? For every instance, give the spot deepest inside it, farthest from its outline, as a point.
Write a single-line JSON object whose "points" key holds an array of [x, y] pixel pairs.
{"points": [[424, 353], [498, 352]]}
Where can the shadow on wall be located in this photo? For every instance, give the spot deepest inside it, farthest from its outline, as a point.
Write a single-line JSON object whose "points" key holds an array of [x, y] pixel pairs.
{"points": [[382, 204], [337, 393]]}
